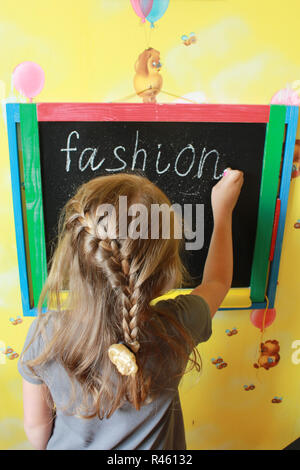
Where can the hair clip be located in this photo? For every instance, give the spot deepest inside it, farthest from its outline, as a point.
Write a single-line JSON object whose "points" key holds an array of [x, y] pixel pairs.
{"points": [[123, 358]]}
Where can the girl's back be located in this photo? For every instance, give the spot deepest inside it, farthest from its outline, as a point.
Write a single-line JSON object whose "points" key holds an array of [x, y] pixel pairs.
{"points": [[159, 422]]}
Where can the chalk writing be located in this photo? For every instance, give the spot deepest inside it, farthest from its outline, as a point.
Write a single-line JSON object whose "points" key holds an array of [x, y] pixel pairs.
{"points": [[188, 161]]}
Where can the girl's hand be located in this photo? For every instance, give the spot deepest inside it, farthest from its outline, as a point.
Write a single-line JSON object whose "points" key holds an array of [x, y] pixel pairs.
{"points": [[226, 192]]}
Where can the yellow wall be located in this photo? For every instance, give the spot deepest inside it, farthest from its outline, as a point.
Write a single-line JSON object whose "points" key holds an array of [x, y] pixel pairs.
{"points": [[246, 51]]}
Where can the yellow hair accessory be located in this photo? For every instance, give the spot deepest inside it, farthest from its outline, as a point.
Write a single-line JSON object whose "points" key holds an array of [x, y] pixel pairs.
{"points": [[123, 359]]}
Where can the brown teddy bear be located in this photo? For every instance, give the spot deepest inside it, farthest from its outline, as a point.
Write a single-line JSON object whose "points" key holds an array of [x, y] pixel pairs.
{"points": [[296, 161], [147, 80], [269, 356]]}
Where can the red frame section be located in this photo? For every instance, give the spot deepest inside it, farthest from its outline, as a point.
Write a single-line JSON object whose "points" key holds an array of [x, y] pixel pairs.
{"points": [[152, 112], [275, 228]]}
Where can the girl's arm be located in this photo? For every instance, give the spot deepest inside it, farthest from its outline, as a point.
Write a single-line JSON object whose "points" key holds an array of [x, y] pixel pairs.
{"points": [[38, 415], [218, 270]]}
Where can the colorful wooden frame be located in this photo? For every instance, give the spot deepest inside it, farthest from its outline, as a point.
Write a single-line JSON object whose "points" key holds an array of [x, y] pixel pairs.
{"points": [[31, 241]]}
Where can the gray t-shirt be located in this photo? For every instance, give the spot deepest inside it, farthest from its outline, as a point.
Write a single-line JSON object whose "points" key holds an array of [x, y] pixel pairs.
{"points": [[156, 426]]}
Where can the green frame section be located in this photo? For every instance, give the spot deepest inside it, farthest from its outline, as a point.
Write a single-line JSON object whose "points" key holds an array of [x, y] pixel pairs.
{"points": [[33, 198], [24, 213], [267, 201]]}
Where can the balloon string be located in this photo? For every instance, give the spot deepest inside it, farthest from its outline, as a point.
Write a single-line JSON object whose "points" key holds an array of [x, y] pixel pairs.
{"points": [[180, 97], [147, 37], [264, 317], [161, 91], [262, 332], [264, 321]]}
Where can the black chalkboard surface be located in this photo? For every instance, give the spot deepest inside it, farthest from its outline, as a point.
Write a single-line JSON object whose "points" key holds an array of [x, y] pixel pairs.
{"points": [[185, 159]]}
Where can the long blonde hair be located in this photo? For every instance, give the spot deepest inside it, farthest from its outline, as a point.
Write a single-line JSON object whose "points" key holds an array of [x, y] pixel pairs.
{"points": [[111, 282]]}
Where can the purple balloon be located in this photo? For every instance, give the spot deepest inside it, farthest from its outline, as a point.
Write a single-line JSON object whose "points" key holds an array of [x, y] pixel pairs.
{"points": [[146, 6]]}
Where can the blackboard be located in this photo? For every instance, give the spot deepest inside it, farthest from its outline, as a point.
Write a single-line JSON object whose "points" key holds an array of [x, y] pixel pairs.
{"points": [[184, 159], [184, 149]]}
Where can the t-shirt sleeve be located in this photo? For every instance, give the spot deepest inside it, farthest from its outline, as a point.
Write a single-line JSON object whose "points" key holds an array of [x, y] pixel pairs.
{"points": [[33, 351], [193, 313]]}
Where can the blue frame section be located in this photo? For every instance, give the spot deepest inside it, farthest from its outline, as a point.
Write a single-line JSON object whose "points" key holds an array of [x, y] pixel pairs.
{"points": [[13, 117], [292, 113]]}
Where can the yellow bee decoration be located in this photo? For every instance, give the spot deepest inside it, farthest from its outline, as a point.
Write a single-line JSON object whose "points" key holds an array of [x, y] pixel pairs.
{"points": [[188, 40]]}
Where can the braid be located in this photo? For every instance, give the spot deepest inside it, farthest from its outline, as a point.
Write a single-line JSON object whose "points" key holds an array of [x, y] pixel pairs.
{"points": [[79, 220], [116, 266], [118, 274]]}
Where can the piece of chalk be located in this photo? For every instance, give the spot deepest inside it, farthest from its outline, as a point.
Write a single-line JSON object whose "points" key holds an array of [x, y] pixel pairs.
{"points": [[225, 171]]}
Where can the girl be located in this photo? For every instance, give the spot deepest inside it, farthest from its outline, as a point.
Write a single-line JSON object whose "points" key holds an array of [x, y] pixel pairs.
{"points": [[101, 371]]}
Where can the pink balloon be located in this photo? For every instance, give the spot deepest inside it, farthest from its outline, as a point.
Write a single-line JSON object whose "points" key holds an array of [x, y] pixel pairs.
{"points": [[28, 79], [142, 8], [257, 317], [146, 6], [286, 96]]}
